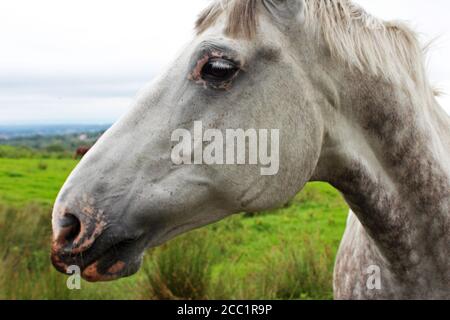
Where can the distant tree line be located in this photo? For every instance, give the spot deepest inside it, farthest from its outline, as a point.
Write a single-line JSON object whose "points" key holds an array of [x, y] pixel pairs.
{"points": [[63, 146]]}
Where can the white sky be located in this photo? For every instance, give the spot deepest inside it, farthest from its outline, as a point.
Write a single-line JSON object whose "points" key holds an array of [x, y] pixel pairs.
{"points": [[83, 61]]}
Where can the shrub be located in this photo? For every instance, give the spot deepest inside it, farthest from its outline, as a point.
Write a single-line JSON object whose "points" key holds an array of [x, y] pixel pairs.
{"points": [[16, 152], [303, 272], [23, 152], [42, 166], [55, 148], [180, 269]]}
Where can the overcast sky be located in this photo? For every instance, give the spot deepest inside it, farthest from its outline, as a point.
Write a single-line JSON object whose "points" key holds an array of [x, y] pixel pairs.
{"points": [[83, 61]]}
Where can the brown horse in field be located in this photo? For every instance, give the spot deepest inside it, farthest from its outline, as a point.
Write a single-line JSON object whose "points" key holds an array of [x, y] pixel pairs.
{"points": [[81, 152]]}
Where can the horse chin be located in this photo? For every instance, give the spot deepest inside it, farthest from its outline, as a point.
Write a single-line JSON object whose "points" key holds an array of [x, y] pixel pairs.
{"points": [[107, 270], [121, 260]]}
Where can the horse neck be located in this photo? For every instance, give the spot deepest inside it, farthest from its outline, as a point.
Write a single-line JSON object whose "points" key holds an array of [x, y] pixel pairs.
{"points": [[386, 148]]}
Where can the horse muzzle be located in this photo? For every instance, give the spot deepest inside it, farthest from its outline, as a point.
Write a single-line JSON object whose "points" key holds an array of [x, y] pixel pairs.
{"points": [[83, 237]]}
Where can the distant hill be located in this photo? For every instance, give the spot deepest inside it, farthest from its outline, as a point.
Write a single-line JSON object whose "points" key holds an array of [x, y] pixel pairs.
{"points": [[47, 141], [21, 131]]}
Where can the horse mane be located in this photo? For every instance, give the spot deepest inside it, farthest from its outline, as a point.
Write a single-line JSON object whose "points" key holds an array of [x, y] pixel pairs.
{"points": [[383, 48]]}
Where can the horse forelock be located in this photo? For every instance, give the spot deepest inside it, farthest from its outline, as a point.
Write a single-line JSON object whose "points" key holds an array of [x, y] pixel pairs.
{"points": [[364, 42], [242, 17]]}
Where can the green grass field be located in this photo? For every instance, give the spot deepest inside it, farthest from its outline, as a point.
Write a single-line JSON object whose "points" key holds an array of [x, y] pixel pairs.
{"points": [[282, 254], [36, 180]]}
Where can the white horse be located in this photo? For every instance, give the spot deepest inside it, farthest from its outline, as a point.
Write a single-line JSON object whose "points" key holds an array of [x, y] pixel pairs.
{"points": [[351, 99]]}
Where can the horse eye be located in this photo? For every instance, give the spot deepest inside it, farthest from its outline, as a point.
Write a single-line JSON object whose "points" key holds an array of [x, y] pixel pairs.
{"points": [[219, 70]]}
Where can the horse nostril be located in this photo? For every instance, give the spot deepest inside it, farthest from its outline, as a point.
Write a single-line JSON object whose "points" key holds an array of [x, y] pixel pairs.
{"points": [[72, 228], [74, 232]]}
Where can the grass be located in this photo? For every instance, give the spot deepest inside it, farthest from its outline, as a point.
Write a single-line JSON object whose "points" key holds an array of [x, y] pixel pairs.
{"points": [[281, 254], [35, 180]]}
